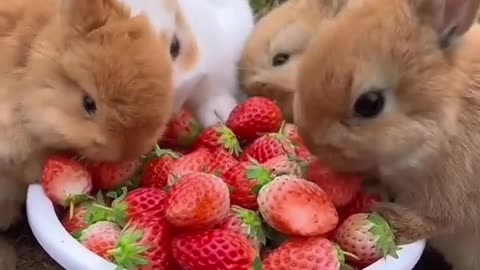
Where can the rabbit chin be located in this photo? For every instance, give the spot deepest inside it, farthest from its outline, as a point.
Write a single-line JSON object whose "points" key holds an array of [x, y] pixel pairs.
{"points": [[339, 163]]}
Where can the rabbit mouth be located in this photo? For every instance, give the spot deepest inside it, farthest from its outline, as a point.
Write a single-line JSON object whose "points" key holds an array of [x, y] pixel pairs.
{"points": [[341, 160]]}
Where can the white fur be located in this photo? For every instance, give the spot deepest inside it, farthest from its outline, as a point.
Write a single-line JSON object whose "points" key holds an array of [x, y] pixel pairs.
{"points": [[155, 10], [220, 28]]}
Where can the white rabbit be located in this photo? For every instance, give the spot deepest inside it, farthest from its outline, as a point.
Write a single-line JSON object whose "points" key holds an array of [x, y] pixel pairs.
{"points": [[208, 37]]}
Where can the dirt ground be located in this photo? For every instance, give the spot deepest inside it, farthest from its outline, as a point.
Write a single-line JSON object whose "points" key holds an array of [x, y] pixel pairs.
{"points": [[32, 256]]}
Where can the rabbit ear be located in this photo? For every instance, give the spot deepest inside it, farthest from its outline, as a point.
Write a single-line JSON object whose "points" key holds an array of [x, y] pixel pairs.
{"points": [[85, 16], [450, 18]]}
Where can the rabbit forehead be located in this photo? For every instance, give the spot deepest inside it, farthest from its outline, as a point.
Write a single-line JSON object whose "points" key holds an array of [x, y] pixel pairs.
{"points": [[161, 13]]}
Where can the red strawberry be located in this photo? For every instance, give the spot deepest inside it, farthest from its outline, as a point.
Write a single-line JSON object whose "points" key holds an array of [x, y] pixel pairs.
{"points": [[222, 161], [295, 206], [157, 169], [65, 180], [244, 180], [143, 202], [146, 244], [255, 117], [309, 253], [78, 221], [197, 201], [269, 146], [285, 164], [101, 238], [200, 160], [214, 249], [182, 130], [360, 204], [340, 187], [110, 175], [219, 136], [245, 222], [303, 154], [368, 237]]}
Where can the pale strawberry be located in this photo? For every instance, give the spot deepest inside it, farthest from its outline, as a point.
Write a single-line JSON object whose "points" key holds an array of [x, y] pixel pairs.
{"points": [[341, 188], [245, 222], [101, 238], [269, 146], [315, 253], [182, 130], [244, 181], [254, 117], [197, 201], [65, 181], [368, 237], [297, 207], [214, 249], [90, 212], [219, 136], [157, 168], [78, 221], [145, 244], [200, 160], [286, 164], [110, 175]]}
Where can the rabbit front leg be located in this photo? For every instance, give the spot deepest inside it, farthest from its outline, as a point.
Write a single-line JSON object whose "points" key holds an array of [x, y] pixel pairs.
{"points": [[12, 196], [212, 100], [8, 257], [407, 225]]}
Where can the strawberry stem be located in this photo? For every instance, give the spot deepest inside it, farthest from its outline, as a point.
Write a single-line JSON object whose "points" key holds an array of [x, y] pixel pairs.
{"points": [[229, 141], [385, 237], [129, 254], [260, 175], [257, 264], [281, 130], [253, 222]]}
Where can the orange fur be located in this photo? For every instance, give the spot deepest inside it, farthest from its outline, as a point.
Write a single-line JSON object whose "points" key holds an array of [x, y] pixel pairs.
{"points": [[426, 143], [54, 52], [285, 29]]}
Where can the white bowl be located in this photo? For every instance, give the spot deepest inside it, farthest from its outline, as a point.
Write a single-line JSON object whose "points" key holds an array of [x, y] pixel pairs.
{"points": [[70, 254]]}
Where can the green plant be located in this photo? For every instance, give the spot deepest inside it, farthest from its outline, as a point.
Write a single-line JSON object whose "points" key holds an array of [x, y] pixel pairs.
{"points": [[261, 7]]}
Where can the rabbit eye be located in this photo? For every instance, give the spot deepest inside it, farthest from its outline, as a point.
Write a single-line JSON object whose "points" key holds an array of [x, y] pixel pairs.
{"points": [[89, 105], [280, 59], [175, 47], [370, 104]]}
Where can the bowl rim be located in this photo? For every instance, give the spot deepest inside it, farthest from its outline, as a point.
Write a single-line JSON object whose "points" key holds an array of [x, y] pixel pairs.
{"points": [[61, 245]]}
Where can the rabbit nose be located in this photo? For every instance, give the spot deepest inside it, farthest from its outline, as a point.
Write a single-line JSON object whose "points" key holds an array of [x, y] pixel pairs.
{"points": [[261, 85]]}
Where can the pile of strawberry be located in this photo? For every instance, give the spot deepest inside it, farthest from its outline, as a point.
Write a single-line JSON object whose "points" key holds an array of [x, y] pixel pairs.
{"points": [[241, 195]]}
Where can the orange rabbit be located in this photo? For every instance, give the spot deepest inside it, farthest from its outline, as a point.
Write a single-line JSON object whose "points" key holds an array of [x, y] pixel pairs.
{"points": [[75, 75], [394, 87], [270, 58]]}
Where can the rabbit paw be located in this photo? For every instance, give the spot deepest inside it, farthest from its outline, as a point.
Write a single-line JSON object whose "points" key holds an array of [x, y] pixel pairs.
{"points": [[215, 110], [8, 257], [407, 226]]}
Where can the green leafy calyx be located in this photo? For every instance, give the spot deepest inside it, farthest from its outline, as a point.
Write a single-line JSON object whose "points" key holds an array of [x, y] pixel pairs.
{"points": [[385, 237], [260, 175], [253, 224], [129, 253], [228, 140]]}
